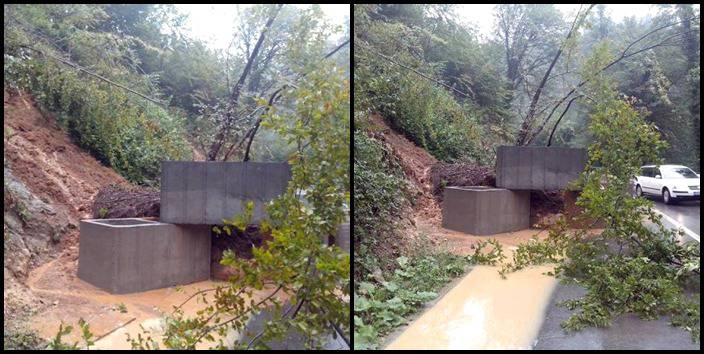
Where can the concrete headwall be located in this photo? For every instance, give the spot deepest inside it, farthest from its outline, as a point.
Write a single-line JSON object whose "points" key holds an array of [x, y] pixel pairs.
{"points": [[342, 239], [485, 210], [133, 255], [207, 192], [538, 168]]}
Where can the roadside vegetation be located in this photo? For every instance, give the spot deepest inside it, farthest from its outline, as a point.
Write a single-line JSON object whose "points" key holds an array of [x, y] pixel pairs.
{"points": [[383, 303], [630, 266]]}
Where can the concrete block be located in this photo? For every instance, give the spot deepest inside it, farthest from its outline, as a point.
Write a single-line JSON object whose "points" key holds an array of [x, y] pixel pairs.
{"points": [[538, 167], [194, 205], [215, 185], [342, 239], [207, 192], [172, 185], [133, 255], [485, 210]]}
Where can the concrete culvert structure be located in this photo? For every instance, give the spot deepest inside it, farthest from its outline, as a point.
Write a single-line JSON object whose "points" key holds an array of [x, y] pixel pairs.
{"points": [[537, 167], [207, 192], [133, 255], [480, 210]]}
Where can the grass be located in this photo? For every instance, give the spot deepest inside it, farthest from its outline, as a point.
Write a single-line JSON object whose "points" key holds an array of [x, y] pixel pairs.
{"points": [[382, 306]]}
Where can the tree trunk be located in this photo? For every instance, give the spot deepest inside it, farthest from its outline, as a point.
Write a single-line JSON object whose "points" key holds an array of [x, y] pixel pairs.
{"points": [[526, 127], [234, 97]]}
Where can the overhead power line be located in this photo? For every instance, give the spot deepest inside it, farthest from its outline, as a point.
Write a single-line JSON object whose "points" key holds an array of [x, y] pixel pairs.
{"points": [[367, 48]]}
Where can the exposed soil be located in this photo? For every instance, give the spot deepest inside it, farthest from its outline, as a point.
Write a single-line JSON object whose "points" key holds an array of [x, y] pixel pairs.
{"points": [[240, 243], [49, 187], [415, 162], [545, 207], [50, 184], [43, 156], [430, 176], [460, 175]]}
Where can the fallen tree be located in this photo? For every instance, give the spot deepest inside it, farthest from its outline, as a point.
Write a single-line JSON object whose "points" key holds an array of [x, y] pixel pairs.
{"points": [[629, 266]]}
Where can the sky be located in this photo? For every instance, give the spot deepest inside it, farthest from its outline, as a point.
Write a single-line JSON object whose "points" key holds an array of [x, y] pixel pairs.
{"points": [[214, 22], [482, 16]]}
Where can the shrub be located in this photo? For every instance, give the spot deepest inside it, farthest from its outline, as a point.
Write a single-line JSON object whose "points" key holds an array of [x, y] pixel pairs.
{"points": [[122, 131], [380, 197]]}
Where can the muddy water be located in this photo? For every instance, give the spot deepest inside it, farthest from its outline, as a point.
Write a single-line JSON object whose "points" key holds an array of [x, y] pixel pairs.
{"points": [[98, 308], [484, 311]]}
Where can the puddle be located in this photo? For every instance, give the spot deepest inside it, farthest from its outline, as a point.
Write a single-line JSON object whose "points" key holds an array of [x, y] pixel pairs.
{"points": [[484, 311]]}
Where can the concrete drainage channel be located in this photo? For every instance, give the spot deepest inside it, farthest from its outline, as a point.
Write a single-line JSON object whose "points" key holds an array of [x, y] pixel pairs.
{"points": [[133, 255]]}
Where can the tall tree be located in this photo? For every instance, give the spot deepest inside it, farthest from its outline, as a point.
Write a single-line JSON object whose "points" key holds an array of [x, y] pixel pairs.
{"points": [[226, 125]]}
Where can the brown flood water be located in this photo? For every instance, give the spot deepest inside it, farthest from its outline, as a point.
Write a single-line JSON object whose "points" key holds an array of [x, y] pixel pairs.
{"points": [[484, 311], [77, 299]]}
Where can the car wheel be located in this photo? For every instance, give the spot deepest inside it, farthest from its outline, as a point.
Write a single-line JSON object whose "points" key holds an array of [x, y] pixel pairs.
{"points": [[666, 196], [639, 191]]}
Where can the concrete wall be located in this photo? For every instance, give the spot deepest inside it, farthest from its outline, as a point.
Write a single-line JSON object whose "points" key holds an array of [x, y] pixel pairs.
{"points": [[133, 255], [485, 210], [207, 192], [342, 239], [538, 168]]}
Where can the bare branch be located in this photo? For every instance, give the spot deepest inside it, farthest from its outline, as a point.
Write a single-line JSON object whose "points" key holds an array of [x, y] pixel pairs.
{"points": [[559, 119]]}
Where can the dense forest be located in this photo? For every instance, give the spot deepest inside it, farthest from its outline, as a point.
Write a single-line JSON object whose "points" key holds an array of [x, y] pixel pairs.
{"points": [[132, 86], [524, 82], [432, 79]]}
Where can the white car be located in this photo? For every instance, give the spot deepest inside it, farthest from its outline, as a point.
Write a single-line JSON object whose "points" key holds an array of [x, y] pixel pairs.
{"points": [[671, 182]]}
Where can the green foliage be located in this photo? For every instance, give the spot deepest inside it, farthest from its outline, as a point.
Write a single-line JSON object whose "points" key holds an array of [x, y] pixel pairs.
{"points": [[446, 125], [297, 261], [103, 212], [122, 308], [17, 205], [480, 256], [381, 196], [86, 335], [629, 267], [381, 307], [117, 128], [120, 129], [57, 343], [22, 339], [24, 214]]}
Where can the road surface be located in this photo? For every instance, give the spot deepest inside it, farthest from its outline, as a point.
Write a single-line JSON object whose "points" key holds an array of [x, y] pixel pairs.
{"points": [[627, 331], [683, 213]]}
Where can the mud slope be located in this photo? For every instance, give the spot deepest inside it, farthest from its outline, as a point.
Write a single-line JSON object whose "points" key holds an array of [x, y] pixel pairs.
{"points": [[49, 185], [415, 162]]}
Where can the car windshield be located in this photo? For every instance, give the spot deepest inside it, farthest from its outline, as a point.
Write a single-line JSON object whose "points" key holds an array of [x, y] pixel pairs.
{"points": [[679, 172]]}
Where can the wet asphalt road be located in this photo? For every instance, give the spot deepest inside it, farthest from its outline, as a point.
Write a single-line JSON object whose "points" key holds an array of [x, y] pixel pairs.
{"points": [[627, 331], [685, 213]]}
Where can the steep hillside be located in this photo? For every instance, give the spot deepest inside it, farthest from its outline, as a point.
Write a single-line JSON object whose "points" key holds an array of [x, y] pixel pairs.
{"points": [[415, 162], [49, 186]]}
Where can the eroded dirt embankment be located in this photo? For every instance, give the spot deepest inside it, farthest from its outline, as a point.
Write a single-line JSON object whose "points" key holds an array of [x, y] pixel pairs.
{"points": [[49, 185], [429, 176]]}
